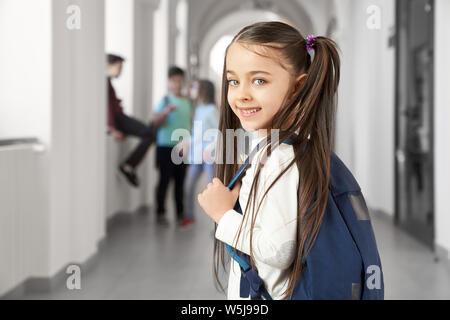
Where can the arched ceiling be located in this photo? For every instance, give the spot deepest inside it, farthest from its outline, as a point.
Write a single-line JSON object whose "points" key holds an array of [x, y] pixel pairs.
{"points": [[204, 14], [209, 20]]}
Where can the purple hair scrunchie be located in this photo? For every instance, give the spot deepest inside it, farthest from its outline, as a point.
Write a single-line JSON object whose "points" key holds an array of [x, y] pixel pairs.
{"points": [[310, 42]]}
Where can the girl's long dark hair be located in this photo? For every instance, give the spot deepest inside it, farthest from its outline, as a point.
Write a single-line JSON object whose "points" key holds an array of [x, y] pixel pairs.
{"points": [[309, 112]]}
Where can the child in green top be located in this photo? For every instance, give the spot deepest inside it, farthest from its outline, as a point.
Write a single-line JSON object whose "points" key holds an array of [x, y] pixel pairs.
{"points": [[180, 118]]}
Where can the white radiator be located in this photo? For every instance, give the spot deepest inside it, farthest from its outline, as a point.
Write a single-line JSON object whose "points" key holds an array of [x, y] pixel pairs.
{"points": [[23, 216]]}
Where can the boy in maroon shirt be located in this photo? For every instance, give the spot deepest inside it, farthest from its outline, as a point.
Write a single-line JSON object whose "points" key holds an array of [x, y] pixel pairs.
{"points": [[120, 125]]}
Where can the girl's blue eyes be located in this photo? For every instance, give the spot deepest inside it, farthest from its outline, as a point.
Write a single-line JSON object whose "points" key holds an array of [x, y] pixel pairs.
{"points": [[258, 82]]}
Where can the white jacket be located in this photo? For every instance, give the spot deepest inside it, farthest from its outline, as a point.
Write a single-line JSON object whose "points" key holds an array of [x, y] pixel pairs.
{"points": [[275, 229]]}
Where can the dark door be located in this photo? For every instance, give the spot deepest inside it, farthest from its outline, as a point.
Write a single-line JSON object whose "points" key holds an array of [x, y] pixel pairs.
{"points": [[414, 119]]}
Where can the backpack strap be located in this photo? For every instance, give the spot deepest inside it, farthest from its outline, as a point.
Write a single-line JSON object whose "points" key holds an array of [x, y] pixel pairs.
{"points": [[166, 101], [247, 163], [256, 287]]}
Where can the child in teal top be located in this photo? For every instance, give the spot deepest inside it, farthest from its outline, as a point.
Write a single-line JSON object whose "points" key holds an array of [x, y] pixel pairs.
{"points": [[180, 118]]}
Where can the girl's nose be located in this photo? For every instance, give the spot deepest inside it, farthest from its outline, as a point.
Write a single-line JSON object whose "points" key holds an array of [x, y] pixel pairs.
{"points": [[244, 94]]}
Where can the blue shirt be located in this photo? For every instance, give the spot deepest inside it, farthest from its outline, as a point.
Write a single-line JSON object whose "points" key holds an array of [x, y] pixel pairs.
{"points": [[177, 119], [206, 117]]}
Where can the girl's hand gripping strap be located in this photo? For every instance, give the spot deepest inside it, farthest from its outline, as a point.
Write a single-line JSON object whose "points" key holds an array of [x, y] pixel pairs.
{"points": [[244, 265], [247, 163]]}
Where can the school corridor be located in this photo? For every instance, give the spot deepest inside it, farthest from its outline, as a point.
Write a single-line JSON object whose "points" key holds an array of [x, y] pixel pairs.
{"points": [[73, 227], [140, 260]]}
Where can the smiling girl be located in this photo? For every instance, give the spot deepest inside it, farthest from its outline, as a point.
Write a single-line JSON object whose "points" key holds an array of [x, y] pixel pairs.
{"points": [[271, 82]]}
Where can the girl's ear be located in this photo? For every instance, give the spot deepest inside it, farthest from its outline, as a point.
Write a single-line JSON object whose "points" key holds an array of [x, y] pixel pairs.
{"points": [[299, 82]]}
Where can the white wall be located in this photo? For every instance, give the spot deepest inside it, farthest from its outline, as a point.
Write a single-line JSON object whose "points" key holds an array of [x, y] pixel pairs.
{"points": [[365, 121], [25, 64], [64, 215], [119, 39], [70, 173], [441, 124]]}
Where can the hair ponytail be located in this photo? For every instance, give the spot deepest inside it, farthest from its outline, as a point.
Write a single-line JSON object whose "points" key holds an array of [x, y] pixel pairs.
{"points": [[317, 99]]}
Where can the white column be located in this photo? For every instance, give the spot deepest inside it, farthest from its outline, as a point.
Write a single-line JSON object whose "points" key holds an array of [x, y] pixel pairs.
{"points": [[344, 138], [161, 49], [441, 127], [172, 31], [365, 117], [144, 54], [181, 40], [77, 154]]}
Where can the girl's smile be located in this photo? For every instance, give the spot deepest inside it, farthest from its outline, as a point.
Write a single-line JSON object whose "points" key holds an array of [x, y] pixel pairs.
{"points": [[248, 112], [257, 84]]}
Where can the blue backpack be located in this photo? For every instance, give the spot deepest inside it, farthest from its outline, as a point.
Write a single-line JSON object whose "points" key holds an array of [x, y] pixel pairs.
{"points": [[343, 262]]}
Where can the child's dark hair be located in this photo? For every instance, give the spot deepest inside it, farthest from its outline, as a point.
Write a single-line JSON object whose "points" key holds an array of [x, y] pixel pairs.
{"points": [[175, 71], [112, 58], [206, 91], [309, 112]]}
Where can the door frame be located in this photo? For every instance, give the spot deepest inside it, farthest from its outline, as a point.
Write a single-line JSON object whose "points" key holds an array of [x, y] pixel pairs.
{"points": [[399, 16]]}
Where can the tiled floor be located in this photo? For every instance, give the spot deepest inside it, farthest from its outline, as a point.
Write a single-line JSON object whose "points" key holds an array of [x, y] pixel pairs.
{"points": [[141, 260], [410, 269]]}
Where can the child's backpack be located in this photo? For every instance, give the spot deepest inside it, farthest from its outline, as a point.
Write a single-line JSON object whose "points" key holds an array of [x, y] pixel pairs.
{"points": [[343, 263]]}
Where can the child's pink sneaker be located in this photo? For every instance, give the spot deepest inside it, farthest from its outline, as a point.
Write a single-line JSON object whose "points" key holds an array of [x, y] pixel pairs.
{"points": [[185, 222]]}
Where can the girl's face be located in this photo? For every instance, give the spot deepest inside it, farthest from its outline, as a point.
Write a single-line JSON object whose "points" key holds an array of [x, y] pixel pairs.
{"points": [[257, 86]]}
